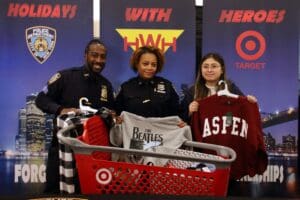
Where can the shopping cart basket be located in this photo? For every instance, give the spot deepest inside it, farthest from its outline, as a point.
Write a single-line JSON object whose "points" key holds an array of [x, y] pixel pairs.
{"points": [[98, 176]]}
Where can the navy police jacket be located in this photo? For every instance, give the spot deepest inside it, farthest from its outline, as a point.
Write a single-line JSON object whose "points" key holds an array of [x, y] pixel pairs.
{"points": [[65, 88], [148, 98]]}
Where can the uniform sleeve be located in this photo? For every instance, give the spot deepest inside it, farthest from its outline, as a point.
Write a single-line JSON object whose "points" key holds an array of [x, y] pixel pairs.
{"points": [[48, 99], [174, 102], [111, 98], [119, 103]]}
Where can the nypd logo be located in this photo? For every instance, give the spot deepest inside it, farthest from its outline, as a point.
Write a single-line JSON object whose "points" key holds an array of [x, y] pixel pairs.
{"points": [[40, 42]]}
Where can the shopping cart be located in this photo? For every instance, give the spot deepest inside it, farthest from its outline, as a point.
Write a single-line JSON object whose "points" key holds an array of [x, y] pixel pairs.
{"points": [[99, 176]]}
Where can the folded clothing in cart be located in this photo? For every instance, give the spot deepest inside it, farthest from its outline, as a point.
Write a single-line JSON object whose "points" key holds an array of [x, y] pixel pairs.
{"points": [[96, 133], [152, 133]]}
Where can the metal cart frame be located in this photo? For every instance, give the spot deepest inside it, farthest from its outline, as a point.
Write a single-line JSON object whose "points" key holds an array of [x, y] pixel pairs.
{"points": [[109, 177]]}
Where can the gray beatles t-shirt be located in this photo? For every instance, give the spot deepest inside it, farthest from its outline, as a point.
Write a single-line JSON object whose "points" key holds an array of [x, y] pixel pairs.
{"points": [[157, 134]]}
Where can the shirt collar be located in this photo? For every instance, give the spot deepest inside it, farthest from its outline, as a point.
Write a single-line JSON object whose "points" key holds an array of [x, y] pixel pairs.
{"points": [[142, 81]]}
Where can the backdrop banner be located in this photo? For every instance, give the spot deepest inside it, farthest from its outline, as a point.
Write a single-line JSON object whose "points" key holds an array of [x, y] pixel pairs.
{"points": [[129, 24], [38, 37], [258, 40]]}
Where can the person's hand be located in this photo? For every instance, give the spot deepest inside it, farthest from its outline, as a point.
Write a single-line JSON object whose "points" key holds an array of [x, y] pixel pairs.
{"points": [[70, 110], [181, 124], [251, 99], [117, 119], [193, 107]]}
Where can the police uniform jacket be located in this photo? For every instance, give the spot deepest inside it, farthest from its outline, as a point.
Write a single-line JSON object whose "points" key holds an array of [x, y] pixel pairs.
{"points": [[148, 98], [66, 87]]}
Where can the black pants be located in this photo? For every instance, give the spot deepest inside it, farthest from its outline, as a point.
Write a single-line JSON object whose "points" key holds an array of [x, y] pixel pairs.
{"points": [[52, 171]]}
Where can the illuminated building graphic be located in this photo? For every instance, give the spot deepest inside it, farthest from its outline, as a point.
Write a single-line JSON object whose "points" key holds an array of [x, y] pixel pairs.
{"points": [[35, 129], [35, 126], [289, 143], [270, 142], [21, 137]]}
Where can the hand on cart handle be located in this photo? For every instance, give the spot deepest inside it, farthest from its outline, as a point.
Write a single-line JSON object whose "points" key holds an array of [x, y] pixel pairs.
{"points": [[70, 111]]}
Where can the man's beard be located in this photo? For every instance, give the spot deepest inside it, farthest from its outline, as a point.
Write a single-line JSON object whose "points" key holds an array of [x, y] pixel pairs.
{"points": [[96, 68]]}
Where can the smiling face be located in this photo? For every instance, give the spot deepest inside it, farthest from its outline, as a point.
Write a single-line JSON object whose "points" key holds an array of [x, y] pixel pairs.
{"points": [[147, 66], [95, 57], [211, 71]]}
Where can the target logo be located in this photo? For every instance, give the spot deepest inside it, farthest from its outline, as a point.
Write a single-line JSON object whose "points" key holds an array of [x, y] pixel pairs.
{"points": [[103, 176], [250, 45]]}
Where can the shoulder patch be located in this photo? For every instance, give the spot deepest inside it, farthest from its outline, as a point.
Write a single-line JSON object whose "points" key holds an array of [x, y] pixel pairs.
{"points": [[54, 78]]}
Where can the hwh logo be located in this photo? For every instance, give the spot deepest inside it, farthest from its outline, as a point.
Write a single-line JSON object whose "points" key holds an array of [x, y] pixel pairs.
{"points": [[161, 38]]}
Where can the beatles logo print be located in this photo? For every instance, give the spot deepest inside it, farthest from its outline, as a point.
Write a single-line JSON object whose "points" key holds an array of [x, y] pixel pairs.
{"points": [[40, 42]]}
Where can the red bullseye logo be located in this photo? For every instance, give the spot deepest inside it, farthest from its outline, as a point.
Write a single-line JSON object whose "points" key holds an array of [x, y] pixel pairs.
{"points": [[103, 176], [250, 45]]}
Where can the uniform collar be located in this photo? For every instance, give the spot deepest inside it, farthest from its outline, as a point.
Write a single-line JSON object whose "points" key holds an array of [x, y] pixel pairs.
{"points": [[87, 73], [145, 81]]}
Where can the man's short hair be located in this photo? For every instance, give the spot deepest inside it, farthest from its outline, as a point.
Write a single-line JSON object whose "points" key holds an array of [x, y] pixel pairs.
{"points": [[93, 41]]}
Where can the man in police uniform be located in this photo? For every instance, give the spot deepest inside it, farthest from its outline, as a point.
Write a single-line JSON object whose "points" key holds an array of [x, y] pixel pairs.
{"points": [[62, 94]]}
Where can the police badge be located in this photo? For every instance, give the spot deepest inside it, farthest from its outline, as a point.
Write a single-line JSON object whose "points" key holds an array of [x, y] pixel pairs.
{"points": [[103, 95], [161, 88], [40, 42]]}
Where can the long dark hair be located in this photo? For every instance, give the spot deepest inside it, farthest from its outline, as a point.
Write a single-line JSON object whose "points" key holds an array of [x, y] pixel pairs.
{"points": [[200, 90]]}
